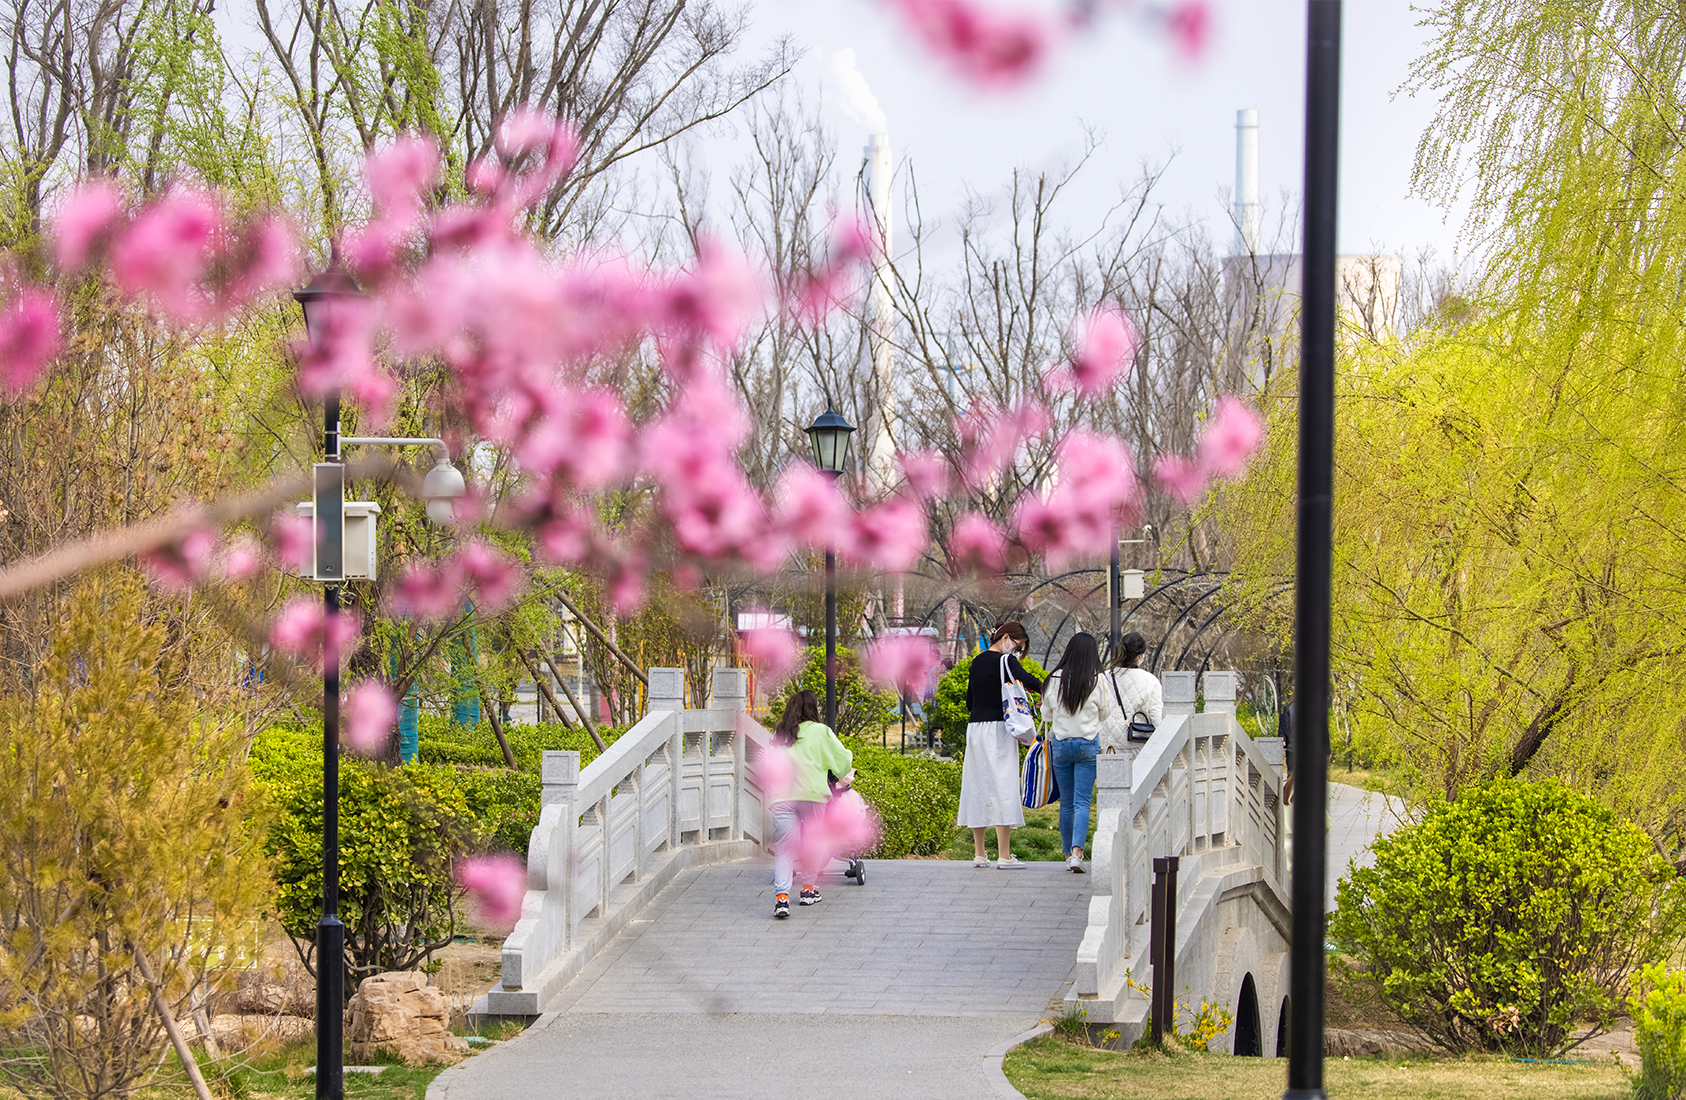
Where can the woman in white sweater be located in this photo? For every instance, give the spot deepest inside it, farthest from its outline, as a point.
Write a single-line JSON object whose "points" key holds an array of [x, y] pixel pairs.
{"points": [[1135, 691], [1077, 705]]}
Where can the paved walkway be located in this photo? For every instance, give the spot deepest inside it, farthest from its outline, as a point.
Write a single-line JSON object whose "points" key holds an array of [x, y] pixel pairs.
{"points": [[1356, 818]]}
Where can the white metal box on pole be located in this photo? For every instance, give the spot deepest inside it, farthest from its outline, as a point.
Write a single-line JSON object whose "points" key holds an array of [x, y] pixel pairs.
{"points": [[360, 532]]}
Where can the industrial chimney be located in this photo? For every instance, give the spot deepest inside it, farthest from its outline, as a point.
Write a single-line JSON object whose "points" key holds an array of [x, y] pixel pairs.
{"points": [[879, 316], [1246, 208]]}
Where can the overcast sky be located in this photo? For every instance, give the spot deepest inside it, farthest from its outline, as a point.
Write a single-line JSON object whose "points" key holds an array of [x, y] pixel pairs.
{"points": [[1150, 105]]}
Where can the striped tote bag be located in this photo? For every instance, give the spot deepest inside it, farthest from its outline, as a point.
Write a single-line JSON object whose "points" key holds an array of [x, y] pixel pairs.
{"points": [[1038, 786]]}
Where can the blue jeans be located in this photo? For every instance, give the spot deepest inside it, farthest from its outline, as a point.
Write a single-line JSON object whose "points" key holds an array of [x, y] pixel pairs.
{"points": [[1074, 771]]}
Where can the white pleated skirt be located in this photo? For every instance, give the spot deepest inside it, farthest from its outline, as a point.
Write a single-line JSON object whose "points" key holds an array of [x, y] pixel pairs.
{"points": [[989, 778]]}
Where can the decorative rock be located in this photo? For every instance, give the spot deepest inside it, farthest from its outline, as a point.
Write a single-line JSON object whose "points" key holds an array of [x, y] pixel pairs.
{"points": [[400, 1013]]}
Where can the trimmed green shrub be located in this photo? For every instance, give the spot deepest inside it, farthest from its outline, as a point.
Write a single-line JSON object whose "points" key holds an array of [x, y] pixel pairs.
{"points": [[1658, 1008], [916, 797], [1509, 919], [441, 742], [862, 711], [948, 711]]}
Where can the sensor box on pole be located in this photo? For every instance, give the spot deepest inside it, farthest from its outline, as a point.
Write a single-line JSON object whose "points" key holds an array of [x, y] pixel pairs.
{"points": [[358, 545]]}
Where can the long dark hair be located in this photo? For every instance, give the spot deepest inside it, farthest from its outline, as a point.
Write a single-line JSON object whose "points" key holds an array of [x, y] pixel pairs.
{"points": [[799, 708], [1079, 669]]}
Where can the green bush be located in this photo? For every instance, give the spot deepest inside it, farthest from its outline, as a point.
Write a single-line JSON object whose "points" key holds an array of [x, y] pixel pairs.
{"points": [[916, 797], [862, 711], [400, 831], [441, 742], [1658, 1008], [948, 711], [1508, 919]]}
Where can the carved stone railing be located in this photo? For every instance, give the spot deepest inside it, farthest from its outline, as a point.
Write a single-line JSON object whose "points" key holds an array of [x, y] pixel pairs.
{"points": [[675, 791], [1200, 788]]}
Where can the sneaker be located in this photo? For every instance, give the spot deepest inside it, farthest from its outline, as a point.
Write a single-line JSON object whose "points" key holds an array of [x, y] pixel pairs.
{"points": [[980, 863], [810, 896], [1075, 863], [781, 907], [1011, 863]]}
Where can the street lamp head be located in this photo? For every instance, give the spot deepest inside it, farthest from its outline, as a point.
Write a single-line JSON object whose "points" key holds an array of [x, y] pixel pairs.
{"points": [[440, 488], [323, 292], [829, 435]]}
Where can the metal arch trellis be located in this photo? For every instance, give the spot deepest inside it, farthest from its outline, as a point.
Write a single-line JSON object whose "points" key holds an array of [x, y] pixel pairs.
{"points": [[1159, 650]]}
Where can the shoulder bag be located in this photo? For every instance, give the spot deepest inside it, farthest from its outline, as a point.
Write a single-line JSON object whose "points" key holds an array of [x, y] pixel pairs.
{"points": [[1015, 707], [1140, 728], [1040, 786]]}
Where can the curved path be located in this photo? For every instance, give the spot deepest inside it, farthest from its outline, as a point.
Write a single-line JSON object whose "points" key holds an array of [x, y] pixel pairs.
{"points": [[910, 986]]}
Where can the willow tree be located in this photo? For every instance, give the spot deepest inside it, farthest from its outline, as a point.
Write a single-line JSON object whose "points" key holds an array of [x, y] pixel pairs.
{"points": [[1510, 585]]}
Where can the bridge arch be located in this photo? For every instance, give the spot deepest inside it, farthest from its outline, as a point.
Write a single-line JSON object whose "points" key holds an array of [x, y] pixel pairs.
{"points": [[1249, 1040]]}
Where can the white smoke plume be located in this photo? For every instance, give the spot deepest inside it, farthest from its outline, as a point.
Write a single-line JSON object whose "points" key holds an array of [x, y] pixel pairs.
{"points": [[858, 101]]}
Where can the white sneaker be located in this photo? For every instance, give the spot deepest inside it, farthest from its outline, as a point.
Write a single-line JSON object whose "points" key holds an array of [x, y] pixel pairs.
{"points": [[980, 863], [1010, 863], [1075, 863]]}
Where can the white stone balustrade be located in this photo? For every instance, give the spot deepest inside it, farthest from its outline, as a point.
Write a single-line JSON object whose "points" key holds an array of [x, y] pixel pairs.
{"points": [[676, 790], [1199, 789]]}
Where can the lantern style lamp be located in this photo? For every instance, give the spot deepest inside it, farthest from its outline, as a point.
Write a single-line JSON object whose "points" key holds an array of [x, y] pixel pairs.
{"points": [[829, 434]]}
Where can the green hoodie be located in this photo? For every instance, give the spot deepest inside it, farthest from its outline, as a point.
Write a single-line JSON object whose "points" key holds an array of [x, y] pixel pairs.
{"points": [[816, 752]]}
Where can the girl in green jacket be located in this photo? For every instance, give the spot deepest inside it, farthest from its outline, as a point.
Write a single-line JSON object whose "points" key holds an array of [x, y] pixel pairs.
{"points": [[814, 751]]}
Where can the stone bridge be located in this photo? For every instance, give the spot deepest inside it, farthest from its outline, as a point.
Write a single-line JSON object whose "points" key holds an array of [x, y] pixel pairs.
{"points": [[647, 924]]}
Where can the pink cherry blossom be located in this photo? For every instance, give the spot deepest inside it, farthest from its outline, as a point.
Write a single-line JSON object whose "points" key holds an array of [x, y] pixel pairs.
{"points": [[990, 437], [399, 175], [565, 537], [494, 575], [853, 241], [1080, 515], [890, 536], [1232, 435], [627, 578], [295, 541], [774, 772], [982, 42], [977, 544], [846, 827], [242, 559], [902, 661], [86, 219], [926, 473], [810, 507], [498, 885], [1183, 478], [29, 338], [183, 563], [1190, 24], [370, 714], [775, 651], [1106, 345], [715, 298], [301, 630], [429, 591], [165, 251], [266, 257]]}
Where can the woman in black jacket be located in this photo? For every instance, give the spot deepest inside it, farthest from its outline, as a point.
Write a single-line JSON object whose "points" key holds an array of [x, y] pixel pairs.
{"points": [[989, 774]]}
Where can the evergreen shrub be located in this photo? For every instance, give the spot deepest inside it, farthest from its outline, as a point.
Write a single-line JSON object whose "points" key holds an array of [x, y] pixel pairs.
{"points": [[1509, 919], [1658, 1008], [948, 709], [916, 797]]}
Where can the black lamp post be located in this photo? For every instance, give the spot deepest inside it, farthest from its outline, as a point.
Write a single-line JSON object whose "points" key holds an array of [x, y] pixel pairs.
{"points": [[1312, 548], [829, 435], [327, 292]]}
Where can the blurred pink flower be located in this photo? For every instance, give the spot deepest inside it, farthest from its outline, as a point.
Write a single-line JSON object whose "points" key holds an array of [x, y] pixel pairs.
{"points": [[846, 827], [494, 575], [810, 507], [165, 251], [370, 714], [1190, 25], [183, 563], [775, 650], [399, 174], [299, 630], [429, 591], [1181, 477], [627, 580], [902, 661], [85, 220], [565, 538], [1080, 515], [890, 536], [983, 43], [29, 338], [853, 241], [1232, 435], [926, 473], [242, 559], [498, 885], [774, 772], [295, 541], [990, 438], [715, 298], [266, 256], [1105, 348], [976, 544]]}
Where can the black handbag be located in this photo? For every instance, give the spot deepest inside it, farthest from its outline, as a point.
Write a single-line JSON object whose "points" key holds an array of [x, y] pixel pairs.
{"points": [[1140, 729]]}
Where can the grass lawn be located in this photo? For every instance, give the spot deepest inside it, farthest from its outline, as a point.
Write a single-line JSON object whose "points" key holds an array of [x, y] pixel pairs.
{"points": [[1038, 838], [1051, 1068]]}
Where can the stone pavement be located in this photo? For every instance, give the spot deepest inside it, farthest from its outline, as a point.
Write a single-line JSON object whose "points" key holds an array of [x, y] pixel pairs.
{"points": [[898, 988], [1356, 818]]}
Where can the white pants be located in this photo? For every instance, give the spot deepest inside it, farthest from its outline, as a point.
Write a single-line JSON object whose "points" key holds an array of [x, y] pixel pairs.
{"points": [[788, 819]]}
